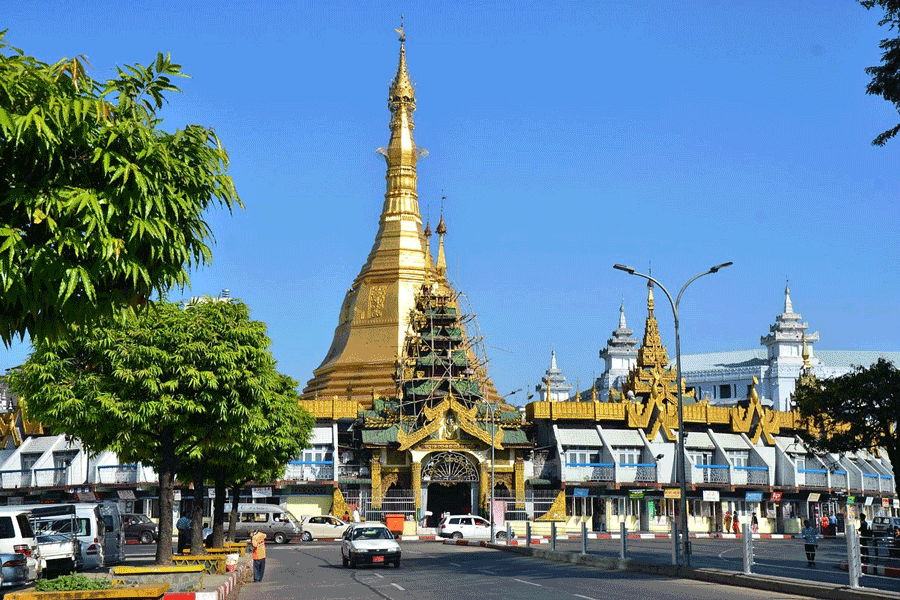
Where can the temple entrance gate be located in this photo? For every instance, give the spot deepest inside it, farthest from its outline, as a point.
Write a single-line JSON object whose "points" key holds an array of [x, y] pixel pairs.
{"points": [[449, 485]]}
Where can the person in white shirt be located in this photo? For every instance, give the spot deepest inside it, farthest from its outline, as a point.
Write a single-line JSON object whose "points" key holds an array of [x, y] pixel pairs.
{"points": [[356, 518]]}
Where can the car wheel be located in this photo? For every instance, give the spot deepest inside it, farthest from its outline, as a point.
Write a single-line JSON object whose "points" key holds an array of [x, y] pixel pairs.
{"points": [[306, 537], [352, 564], [280, 538], [396, 564], [456, 535], [146, 537], [344, 561]]}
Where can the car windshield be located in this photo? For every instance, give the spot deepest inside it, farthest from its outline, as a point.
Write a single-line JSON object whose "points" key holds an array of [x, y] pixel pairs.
{"points": [[371, 533]]}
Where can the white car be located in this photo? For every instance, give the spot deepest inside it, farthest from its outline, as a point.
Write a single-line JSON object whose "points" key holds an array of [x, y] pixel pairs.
{"points": [[369, 543], [469, 527], [314, 528]]}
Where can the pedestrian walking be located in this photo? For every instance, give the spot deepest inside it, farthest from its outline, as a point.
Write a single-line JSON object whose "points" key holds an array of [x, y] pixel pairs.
{"points": [[865, 539], [754, 523], [825, 523], [727, 521], [809, 543], [736, 523], [258, 542], [184, 533], [356, 518]]}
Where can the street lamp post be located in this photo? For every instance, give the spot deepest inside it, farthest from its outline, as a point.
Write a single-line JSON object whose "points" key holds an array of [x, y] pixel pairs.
{"points": [[492, 408], [686, 552]]}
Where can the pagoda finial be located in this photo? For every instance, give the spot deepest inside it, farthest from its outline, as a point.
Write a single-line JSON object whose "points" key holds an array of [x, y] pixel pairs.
{"points": [[649, 299], [622, 324], [553, 360], [788, 307], [402, 87], [806, 364], [441, 230]]}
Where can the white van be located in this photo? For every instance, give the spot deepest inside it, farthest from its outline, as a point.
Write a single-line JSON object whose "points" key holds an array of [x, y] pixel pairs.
{"points": [[17, 537], [114, 545], [89, 528], [279, 525]]}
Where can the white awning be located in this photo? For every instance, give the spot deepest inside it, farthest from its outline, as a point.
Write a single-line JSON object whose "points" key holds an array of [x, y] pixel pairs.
{"points": [[623, 438], [587, 437]]}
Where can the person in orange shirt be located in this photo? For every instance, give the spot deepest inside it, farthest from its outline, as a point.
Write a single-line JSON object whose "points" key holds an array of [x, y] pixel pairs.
{"points": [[258, 542]]}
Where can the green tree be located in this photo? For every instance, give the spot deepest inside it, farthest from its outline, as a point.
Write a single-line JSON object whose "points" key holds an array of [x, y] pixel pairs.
{"points": [[168, 388], [858, 410], [99, 207], [886, 76]]}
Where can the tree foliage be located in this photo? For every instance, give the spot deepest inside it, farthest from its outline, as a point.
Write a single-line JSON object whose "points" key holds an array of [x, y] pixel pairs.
{"points": [[855, 411], [886, 76], [172, 387], [99, 207]]}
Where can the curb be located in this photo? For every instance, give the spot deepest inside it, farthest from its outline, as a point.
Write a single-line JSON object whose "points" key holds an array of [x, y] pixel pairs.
{"points": [[784, 585], [882, 570], [225, 591]]}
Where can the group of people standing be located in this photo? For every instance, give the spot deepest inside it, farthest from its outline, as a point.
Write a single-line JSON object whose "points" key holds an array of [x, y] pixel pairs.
{"points": [[733, 523], [866, 540]]}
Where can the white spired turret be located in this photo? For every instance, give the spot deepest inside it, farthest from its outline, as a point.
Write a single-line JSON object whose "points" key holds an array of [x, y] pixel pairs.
{"points": [[553, 387], [619, 357], [784, 348]]}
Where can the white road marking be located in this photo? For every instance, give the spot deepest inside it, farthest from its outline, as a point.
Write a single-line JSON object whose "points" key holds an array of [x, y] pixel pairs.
{"points": [[528, 582], [398, 587], [454, 564], [379, 575], [585, 597]]}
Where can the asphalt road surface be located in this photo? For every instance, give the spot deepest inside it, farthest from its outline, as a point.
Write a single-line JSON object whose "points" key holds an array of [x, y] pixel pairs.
{"points": [[429, 570]]}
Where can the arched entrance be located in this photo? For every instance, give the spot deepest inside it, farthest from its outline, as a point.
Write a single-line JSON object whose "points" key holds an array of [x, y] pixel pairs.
{"points": [[450, 481]]}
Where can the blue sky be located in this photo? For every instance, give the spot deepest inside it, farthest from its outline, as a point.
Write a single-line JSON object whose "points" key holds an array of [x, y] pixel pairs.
{"points": [[567, 136]]}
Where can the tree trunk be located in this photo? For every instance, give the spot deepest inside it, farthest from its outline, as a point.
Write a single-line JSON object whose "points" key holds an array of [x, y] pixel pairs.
{"points": [[232, 520], [198, 476], [219, 509], [166, 502]]}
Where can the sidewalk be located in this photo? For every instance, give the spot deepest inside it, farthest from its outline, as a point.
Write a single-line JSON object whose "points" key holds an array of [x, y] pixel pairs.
{"points": [[784, 585]]}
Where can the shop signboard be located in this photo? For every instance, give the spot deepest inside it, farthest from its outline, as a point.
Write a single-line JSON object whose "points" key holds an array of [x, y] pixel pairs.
{"points": [[814, 497], [776, 496], [261, 492], [869, 501], [753, 497], [896, 502], [710, 495], [886, 502], [672, 492], [580, 492], [851, 499], [176, 495], [636, 494]]}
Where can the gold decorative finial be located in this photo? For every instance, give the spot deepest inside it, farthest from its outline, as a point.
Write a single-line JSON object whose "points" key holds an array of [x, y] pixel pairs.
{"points": [[401, 31], [806, 364]]}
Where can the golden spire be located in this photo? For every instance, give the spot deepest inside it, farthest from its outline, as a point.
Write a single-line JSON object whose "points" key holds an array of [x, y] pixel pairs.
{"points": [[806, 364], [441, 258], [429, 263], [401, 153], [652, 353]]}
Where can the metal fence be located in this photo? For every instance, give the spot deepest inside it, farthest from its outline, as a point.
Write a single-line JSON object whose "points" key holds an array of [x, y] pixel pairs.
{"points": [[117, 474], [395, 502]]}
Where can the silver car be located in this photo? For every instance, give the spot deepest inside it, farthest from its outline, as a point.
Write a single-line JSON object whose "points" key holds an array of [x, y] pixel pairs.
{"points": [[326, 527]]}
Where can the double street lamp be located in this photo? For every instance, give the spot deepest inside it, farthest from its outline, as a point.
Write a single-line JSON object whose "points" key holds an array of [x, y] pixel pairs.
{"points": [[686, 552], [492, 407]]}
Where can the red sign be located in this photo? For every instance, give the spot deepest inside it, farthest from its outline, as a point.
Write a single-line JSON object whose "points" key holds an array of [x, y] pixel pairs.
{"points": [[776, 496]]}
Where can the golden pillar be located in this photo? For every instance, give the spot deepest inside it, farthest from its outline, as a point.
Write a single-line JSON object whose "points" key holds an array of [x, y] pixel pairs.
{"points": [[519, 476], [417, 483], [376, 480], [483, 486]]}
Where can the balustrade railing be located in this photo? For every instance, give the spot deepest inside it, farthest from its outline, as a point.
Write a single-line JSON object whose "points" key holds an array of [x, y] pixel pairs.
{"points": [[309, 470], [814, 477], [16, 479], [756, 475], [353, 472], [870, 482], [590, 472], [712, 473], [51, 477], [122, 474], [839, 480]]}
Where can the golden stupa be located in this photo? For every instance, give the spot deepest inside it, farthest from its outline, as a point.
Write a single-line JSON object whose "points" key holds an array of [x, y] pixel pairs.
{"points": [[374, 319]]}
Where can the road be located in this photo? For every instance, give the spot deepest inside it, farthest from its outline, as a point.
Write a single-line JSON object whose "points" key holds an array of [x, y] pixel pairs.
{"points": [[313, 571]]}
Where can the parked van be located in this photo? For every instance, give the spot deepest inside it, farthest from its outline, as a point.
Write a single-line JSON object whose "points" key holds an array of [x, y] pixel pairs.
{"points": [[17, 538], [279, 525], [89, 528], [114, 524]]}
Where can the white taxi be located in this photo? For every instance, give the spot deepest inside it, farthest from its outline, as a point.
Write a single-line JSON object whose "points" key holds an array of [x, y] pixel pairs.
{"points": [[369, 543]]}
